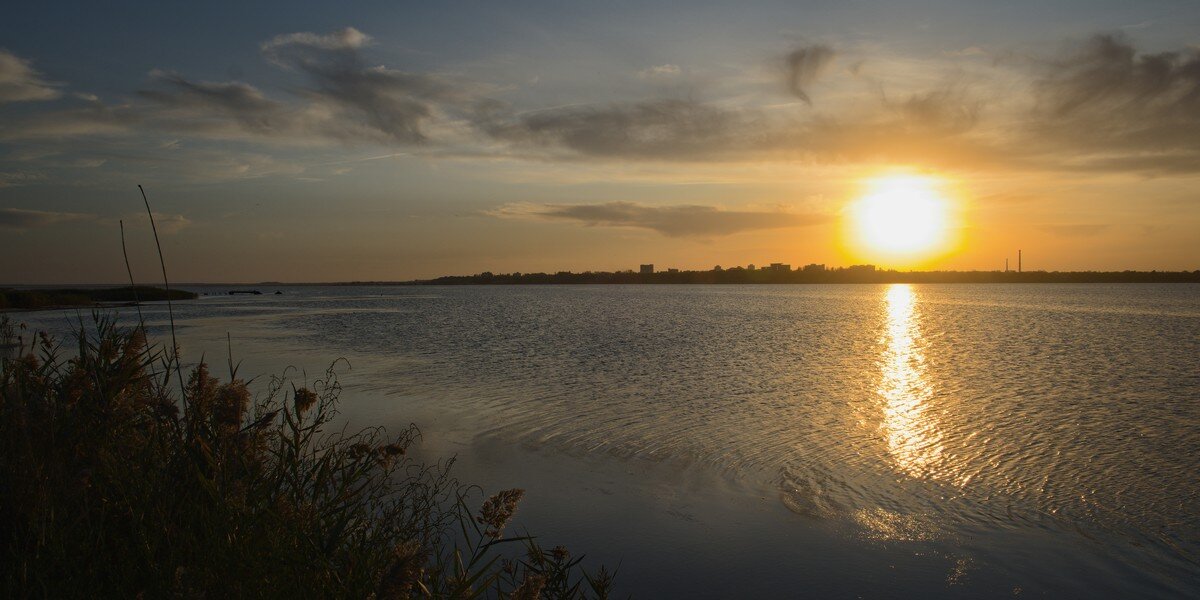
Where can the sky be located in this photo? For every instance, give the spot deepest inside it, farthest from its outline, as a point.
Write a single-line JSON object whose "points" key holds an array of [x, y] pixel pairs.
{"points": [[318, 141]]}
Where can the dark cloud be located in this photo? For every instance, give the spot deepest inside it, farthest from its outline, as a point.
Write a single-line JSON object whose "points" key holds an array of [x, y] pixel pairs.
{"points": [[19, 218], [346, 99], [804, 66], [391, 102], [20, 83], [1107, 74], [1114, 108], [673, 221], [241, 102], [668, 129]]}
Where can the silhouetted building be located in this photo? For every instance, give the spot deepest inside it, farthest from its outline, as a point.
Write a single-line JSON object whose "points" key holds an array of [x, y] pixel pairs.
{"points": [[861, 268], [750, 267], [780, 268], [647, 270], [672, 270], [814, 268]]}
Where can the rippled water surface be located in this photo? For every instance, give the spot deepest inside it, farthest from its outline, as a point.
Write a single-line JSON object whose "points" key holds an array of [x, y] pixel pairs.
{"points": [[996, 425]]}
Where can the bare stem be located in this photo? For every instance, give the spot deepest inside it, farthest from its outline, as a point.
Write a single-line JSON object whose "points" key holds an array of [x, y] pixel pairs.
{"points": [[166, 284]]}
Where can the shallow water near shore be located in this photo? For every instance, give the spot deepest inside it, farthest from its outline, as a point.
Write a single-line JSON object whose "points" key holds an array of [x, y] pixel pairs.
{"points": [[781, 441]]}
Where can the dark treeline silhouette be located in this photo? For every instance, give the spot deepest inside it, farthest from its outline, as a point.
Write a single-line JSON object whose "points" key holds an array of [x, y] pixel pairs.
{"points": [[843, 275], [28, 299]]}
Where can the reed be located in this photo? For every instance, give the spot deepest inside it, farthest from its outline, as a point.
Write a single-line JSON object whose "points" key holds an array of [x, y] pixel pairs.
{"points": [[115, 484]]}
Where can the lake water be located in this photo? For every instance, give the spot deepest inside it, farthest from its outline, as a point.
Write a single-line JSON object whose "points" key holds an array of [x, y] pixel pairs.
{"points": [[783, 441]]}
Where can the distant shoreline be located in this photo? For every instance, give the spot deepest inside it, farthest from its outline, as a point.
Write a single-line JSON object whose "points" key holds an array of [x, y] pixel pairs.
{"points": [[725, 277], [780, 276], [58, 297]]}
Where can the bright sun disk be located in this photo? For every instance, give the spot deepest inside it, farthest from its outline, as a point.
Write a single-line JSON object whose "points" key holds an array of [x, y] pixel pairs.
{"points": [[901, 218]]}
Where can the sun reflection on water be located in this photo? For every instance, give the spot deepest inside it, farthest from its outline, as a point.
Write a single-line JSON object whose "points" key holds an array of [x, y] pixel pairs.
{"points": [[913, 440]]}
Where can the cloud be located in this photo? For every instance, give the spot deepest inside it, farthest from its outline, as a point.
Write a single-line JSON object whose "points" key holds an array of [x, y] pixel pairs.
{"points": [[90, 119], [370, 99], [804, 66], [1107, 73], [1119, 109], [948, 109], [1101, 106], [241, 102], [667, 71], [969, 51], [348, 38], [346, 99], [166, 223], [672, 221], [657, 128], [19, 218], [20, 83], [11, 178]]}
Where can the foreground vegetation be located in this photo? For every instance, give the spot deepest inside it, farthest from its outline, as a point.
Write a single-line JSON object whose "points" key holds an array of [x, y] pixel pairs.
{"points": [[119, 479], [33, 299]]}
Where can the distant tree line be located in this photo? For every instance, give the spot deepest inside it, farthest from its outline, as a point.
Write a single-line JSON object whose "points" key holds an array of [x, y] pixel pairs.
{"points": [[740, 275], [31, 299]]}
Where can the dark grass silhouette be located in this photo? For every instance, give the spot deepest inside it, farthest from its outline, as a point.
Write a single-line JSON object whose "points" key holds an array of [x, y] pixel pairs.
{"points": [[111, 485]]}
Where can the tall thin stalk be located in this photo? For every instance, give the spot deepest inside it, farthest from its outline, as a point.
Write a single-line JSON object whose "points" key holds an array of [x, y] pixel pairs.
{"points": [[166, 284], [132, 286]]}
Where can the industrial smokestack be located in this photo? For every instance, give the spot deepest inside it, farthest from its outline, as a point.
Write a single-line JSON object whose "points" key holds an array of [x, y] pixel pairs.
{"points": [[1018, 261]]}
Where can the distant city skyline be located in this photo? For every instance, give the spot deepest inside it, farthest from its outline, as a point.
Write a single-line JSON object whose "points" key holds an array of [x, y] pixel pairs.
{"points": [[394, 141]]}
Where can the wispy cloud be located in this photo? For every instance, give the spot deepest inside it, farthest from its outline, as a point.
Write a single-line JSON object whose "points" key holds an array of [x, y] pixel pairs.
{"points": [[19, 82], [11, 178], [19, 218], [166, 223], [804, 66], [674, 221], [22, 219], [240, 102], [667, 71], [1119, 109], [370, 99], [664, 129]]}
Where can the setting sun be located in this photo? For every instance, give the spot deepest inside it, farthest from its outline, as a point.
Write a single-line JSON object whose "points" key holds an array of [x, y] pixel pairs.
{"points": [[900, 220]]}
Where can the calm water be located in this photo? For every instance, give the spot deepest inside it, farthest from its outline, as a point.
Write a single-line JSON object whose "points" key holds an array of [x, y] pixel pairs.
{"points": [[942, 440]]}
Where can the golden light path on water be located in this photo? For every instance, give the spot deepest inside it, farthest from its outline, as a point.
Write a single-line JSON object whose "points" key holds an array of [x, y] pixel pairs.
{"points": [[913, 439]]}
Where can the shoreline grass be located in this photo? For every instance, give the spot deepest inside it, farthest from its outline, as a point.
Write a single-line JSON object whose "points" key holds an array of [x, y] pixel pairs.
{"points": [[113, 485]]}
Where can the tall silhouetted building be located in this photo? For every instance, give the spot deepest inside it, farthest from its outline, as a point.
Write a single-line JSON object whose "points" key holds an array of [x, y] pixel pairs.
{"points": [[814, 268], [647, 270]]}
